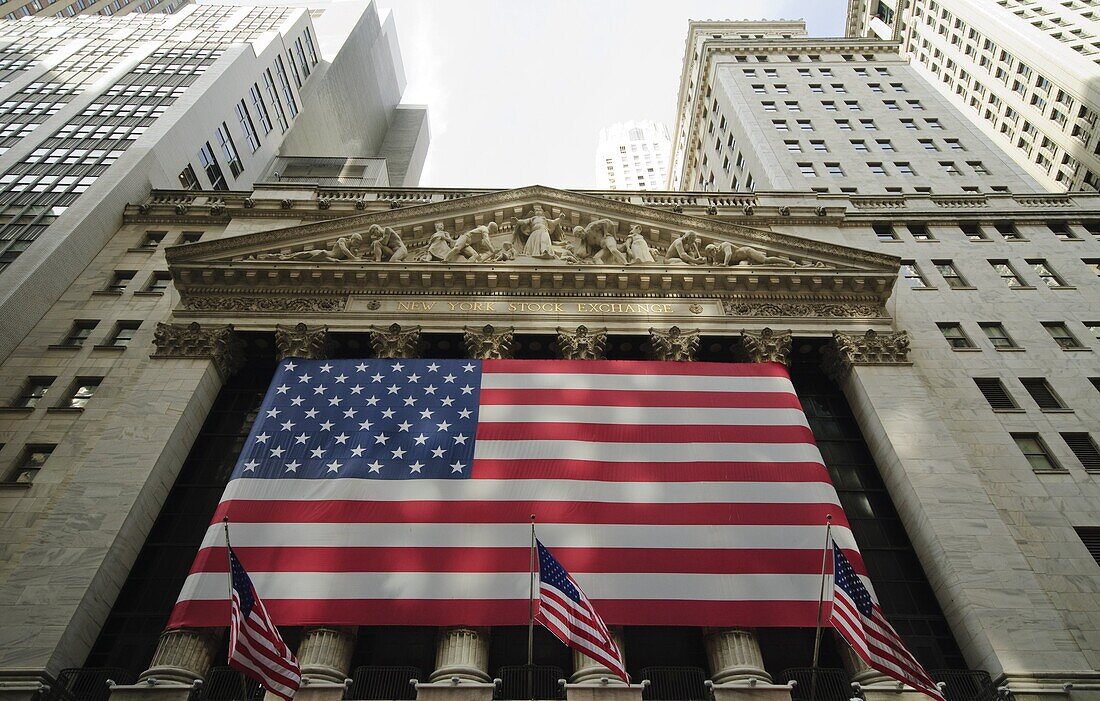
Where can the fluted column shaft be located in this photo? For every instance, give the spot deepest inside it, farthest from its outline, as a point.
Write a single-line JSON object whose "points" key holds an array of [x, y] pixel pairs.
{"points": [[734, 656], [590, 672], [462, 653], [858, 670], [183, 655], [325, 653]]}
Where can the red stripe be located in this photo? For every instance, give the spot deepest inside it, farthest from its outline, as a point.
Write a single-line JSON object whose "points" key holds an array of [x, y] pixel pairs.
{"points": [[460, 512], [634, 433], [639, 398], [635, 367], [248, 671], [891, 650], [506, 612], [488, 559], [651, 471]]}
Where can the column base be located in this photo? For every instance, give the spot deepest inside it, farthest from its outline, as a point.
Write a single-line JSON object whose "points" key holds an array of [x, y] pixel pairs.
{"points": [[604, 692], [160, 691], [751, 691], [455, 691], [24, 685], [314, 691], [889, 691]]}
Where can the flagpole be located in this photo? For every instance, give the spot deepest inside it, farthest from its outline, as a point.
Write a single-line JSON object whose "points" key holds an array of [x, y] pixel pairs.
{"points": [[228, 554], [820, 605], [531, 617]]}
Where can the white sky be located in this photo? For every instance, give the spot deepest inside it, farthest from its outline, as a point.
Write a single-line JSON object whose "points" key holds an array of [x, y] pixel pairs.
{"points": [[518, 90]]}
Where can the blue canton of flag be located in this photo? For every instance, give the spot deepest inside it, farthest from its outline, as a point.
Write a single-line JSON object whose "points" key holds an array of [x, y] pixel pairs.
{"points": [[847, 580], [371, 419], [553, 574], [242, 586]]}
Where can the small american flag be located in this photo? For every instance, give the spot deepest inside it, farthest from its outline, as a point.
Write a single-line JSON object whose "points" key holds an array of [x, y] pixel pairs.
{"points": [[255, 646], [568, 614], [858, 617]]}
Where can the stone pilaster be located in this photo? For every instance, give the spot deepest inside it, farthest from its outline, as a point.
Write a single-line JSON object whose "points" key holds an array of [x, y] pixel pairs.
{"points": [[183, 655], [767, 346], [582, 343], [395, 342], [487, 343], [463, 654], [325, 653], [589, 672], [734, 656], [301, 341], [674, 344], [217, 343], [872, 348]]}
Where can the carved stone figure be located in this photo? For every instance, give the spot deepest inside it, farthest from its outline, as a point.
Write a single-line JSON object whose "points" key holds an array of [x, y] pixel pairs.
{"points": [[487, 343], [685, 250], [726, 253], [536, 233], [385, 244], [637, 248], [596, 243], [507, 252], [582, 343], [344, 248], [440, 244], [674, 344], [475, 245]]}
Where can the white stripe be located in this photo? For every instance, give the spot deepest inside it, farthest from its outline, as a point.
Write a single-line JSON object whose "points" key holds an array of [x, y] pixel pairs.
{"points": [[873, 648], [598, 654], [645, 452], [533, 490], [270, 683], [567, 613], [648, 383], [629, 415], [495, 535], [269, 666], [510, 585]]}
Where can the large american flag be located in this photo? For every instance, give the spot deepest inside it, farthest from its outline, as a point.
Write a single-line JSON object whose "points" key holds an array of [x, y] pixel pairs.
{"points": [[858, 618], [399, 492]]}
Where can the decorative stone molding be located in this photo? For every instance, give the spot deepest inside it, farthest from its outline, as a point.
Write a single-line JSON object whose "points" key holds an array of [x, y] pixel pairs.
{"points": [[393, 342], [216, 303], [462, 653], [872, 348], [325, 653], [582, 343], [487, 343], [183, 655], [803, 309], [734, 655], [217, 343], [301, 341], [767, 346], [674, 344], [589, 672]]}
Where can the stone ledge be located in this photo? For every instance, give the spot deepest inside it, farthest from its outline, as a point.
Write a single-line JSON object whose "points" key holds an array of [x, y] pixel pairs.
{"points": [[616, 691], [162, 691], [749, 691], [456, 691], [16, 409]]}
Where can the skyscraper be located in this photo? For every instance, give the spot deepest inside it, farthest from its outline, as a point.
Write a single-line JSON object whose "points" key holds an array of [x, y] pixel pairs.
{"points": [[1026, 72], [633, 156], [17, 9]]}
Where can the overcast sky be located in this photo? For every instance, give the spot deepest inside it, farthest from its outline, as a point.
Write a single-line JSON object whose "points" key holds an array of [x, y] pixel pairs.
{"points": [[518, 90]]}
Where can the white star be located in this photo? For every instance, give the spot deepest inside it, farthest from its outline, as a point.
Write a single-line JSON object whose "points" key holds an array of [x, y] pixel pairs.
{"points": [[430, 389], [373, 401], [447, 401], [326, 367], [357, 389], [365, 426], [433, 367], [393, 389], [443, 426], [361, 367], [341, 377], [387, 414], [272, 413], [416, 466], [297, 401], [437, 452], [287, 425], [276, 452], [421, 439], [301, 438], [342, 438], [350, 414], [468, 367], [467, 389], [293, 466], [317, 453], [251, 466], [460, 439], [448, 378], [410, 401], [262, 438], [281, 389], [357, 451], [375, 466], [311, 413], [464, 414], [426, 414], [404, 425], [334, 466], [290, 366], [326, 426], [304, 378], [335, 401], [376, 378], [398, 453], [456, 467], [414, 377], [319, 389], [398, 367], [381, 438]]}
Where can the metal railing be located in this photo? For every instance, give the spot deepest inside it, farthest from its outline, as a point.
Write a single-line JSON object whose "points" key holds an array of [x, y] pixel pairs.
{"points": [[674, 684], [91, 683], [374, 682], [523, 681], [965, 685], [227, 684], [830, 684]]}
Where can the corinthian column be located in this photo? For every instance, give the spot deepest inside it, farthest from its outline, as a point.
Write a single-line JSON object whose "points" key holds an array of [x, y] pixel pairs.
{"points": [[582, 343], [734, 656], [487, 343], [589, 672], [674, 344], [395, 342], [301, 341], [462, 654], [325, 653], [183, 655], [767, 346]]}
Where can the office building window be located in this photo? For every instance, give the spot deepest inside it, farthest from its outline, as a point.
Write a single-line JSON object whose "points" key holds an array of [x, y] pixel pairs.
{"points": [[32, 392], [119, 280], [78, 334], [1093, 264], [158, 282], [1062, 335], [920, 232], [1008, 231], [225, 141], [123, 334], [955, 336], [860, 146], [1062, 231], [209, 163], [288, 92], [1033, 448], [81, 391], [844, 125], [33, 458], [189, 237], [260, 107], [1007, 273], [950, 274], [995, 394], [973, 232], [1046, 273], [912, 275], [929, 145], [151, 240], [877, 168], [276, 101], [1042, 393], [793, 146], [834, 169], [905, 169], [805, 125], [819, 146], [807, 170], [885, 232], [247, 128], [997, 335], [188, 179], [1084, 448]]}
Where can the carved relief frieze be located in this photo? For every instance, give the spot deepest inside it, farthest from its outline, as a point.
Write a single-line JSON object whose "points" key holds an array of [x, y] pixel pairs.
{"points": [[871, 348], [238, 303], [674, 344], [487, 343], [582, 343], [217, 343], [395, 342], [841, 310]]}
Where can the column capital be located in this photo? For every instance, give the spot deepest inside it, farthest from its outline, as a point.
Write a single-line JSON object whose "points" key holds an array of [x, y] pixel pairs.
{"points": [[487, 343], [218, 343], [582, 343], [674, 344], [395, 342], [767, 346], [183, 655], [301, 341], [870, 348]]}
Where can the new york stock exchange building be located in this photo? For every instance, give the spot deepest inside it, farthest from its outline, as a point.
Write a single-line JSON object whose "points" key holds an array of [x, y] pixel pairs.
{"points": [[956, 416]]}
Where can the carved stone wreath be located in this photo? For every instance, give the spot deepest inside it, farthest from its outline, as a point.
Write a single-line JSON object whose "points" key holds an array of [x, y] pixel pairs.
{"points": [[217, 303], [803, 309]]}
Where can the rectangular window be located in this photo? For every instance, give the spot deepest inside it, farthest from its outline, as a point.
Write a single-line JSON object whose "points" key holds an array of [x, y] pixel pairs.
{"points": [[1042, 393], [954, 145], [123, 334], [769, 106], [834, 169], [955, 336], [885, 145], [1084, 447], [210, 164], [909, 124], [978, 167], [300, 52], [912, 275], [950, 274], [973, 232], [793, 146], [81, 391], [158, 282], [860, 146], [119, 280], [189, 237], [288, 92], [1093, 264], [30, 462], [78, 334], [920, 232], [929, 145], [260, 107], [1033, 448], [188, 179], [805, 125], [885, 232], [807, 170], [1008, 231], [950, 167], [868, 124], [997, 335], [1062, 336], [844, 125], [1046, 273], [34, 389], [995, 394], [273, 95], [1062, 231], [151, 240], [247, 128], [310, 47], [877, 168], [934, 124], [1007, 273], [225, 141], [905, 169], [781, 125], [829, 106]]}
